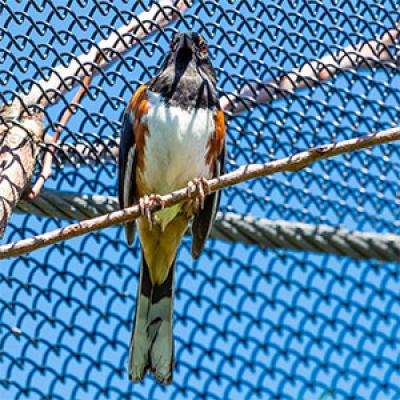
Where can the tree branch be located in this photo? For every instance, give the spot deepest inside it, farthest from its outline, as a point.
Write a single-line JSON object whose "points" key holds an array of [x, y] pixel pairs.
{"points": [[64, 77], [373, 53], [289, 164]]}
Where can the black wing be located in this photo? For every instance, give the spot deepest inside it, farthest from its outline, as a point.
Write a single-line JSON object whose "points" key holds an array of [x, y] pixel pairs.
{"points": [[203, 221], [127, 172]]}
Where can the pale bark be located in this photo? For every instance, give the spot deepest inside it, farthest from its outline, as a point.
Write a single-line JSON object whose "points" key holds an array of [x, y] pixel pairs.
{"points": [[20, 135]]}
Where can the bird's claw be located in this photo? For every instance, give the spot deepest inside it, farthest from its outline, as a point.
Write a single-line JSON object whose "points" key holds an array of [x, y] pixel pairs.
{"points": [[145, 204], [197, 190]]}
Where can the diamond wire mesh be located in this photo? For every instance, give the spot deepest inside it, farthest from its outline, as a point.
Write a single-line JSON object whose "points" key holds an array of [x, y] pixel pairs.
{"points": [[250, 323]]}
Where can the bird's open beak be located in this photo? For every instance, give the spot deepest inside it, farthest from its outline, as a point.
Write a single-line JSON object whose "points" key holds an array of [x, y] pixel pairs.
{"points": [[185, 42]]}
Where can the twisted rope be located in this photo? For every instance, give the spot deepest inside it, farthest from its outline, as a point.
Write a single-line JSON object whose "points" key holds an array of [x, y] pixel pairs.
{"points": [[235, 228]]}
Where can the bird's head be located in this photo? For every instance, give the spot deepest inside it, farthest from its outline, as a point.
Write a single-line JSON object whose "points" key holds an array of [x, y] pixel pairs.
{"points": [[187, 46], [188, 56]]}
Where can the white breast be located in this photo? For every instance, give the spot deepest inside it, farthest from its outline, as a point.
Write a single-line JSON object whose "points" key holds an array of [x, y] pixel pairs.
{"points": [[176, 147]]}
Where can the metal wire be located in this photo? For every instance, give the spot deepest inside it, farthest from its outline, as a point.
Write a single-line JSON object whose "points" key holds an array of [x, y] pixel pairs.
{"points": [[250, 323]]}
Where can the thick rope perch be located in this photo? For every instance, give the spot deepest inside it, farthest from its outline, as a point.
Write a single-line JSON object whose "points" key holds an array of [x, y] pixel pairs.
{"points": [[242, 174], [236, 228]]}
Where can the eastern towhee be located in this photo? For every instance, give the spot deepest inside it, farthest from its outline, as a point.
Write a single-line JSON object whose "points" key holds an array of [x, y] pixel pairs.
{"points": [[173, 136]]}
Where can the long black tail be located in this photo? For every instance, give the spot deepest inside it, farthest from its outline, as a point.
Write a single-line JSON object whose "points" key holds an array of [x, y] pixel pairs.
{"points": [[152, 341]]}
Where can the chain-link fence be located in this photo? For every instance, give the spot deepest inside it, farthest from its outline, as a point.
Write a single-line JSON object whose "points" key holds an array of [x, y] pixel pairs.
{"points": [[251, 322]]}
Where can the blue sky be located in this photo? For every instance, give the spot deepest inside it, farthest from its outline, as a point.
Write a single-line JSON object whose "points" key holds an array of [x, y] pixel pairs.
{"points": [[250, 323]]}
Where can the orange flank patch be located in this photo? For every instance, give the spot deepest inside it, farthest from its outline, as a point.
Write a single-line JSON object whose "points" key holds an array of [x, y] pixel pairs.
{"points": [[216, 142], [138, 107]]}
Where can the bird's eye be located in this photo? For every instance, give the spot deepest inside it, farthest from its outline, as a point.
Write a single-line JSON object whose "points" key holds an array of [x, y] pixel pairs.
{"points": [[203, 48]]}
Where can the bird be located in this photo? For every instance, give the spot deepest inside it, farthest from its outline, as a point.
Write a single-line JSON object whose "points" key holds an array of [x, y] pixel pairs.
{"points": [[172, 137]]}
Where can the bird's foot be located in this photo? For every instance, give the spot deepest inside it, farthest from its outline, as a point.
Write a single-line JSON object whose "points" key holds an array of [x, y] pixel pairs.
{"points": [[197, 190], [145, 204]]}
